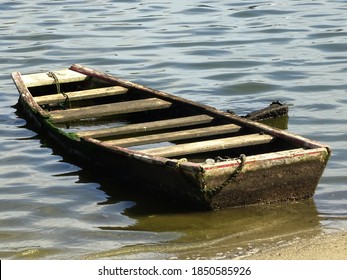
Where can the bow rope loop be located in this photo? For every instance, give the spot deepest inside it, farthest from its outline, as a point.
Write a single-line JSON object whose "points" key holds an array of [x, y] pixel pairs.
{"points": [[66, 103], [234, 174]]}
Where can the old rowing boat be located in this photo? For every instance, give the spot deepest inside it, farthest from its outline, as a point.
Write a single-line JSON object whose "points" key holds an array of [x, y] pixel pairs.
{"points": [[188, 151]]}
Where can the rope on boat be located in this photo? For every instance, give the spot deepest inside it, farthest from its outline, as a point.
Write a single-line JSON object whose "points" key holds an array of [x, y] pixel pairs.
{"points": [[233, 175], [66, 103], [237, 170], [180, 161]]}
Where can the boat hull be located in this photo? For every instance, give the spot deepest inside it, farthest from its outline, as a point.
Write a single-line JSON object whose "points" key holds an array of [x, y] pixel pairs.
{"points": [[270, 176], [213, 187], [290, 176]]}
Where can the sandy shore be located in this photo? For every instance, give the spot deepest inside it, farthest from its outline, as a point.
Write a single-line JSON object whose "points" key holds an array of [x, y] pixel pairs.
{"points": [[322, 247]]}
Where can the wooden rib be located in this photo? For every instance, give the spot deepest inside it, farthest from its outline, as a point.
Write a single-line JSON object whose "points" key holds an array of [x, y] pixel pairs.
{"points": [[176, 135], [42, 79], [147, 126], [80, 95], [109, 109], [210, 145]]}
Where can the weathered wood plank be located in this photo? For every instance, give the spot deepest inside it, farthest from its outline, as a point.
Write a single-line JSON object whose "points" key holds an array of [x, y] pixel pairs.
{"points": [[109, 109], [80, 95], [43, 79], [176, 135], [210, 145], [147, 126], [25, 95]]}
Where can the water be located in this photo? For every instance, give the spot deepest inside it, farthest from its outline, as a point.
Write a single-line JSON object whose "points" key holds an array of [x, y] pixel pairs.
{"points": [[238, 55]]}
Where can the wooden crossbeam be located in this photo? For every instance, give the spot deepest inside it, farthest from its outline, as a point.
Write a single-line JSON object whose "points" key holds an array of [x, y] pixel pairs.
{"points": [[43, 79], [147, 126], [176, 135], [80, 95], [210, 145], [108, 109]]}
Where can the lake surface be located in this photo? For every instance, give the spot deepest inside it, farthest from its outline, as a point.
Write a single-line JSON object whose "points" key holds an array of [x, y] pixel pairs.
{"points": [[238, 55]]}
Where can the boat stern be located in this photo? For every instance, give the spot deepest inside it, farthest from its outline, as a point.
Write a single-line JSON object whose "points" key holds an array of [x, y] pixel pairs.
{"points": [[266, 178]]}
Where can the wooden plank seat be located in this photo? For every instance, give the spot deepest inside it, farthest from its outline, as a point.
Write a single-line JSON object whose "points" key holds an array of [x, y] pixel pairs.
{"points": [[147, 126], [96, 111], [175, 135], [80, 95], [210, 145], [43, 79]]}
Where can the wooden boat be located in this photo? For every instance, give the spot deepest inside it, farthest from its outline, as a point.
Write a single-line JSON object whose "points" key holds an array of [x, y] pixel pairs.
{"points": [[190, 152]]}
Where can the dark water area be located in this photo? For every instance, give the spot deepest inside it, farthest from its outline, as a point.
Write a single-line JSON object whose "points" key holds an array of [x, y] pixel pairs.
{"points": [[238, 55]]}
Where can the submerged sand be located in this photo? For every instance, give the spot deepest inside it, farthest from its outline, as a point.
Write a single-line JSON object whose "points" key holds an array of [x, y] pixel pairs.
{"points": [[331, 246]]}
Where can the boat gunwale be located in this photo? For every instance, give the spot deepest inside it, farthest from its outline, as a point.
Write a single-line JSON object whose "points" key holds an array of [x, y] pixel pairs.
{"points": [[292, 155], [26, 95]]}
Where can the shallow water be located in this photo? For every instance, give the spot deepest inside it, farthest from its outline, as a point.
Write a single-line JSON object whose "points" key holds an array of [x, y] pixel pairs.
{"points": [[238, 55]]}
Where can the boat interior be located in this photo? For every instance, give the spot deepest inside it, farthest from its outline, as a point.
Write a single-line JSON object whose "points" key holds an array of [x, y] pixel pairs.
{"points": [[141, 120]]}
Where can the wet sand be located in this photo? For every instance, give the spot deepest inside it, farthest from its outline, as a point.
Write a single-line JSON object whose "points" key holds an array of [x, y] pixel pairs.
{"points": [[331, 246]]}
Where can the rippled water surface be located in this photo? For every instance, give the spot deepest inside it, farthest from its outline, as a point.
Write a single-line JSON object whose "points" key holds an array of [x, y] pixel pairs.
{"points": [[238, 55]]}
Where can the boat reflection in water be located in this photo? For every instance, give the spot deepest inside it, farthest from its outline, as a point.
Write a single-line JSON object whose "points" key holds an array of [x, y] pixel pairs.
{"points": [[228, 233]]}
